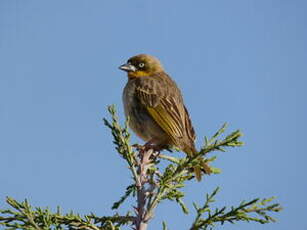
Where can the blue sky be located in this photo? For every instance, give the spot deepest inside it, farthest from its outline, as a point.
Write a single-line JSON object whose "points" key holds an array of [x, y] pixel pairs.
{"points": [[241, 62]]}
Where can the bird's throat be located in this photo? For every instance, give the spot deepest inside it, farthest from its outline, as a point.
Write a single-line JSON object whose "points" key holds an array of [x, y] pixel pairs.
{"points": [[137, 74]]}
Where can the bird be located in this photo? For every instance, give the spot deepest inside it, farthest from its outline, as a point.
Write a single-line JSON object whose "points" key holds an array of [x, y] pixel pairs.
{"points": [[154, 105]]}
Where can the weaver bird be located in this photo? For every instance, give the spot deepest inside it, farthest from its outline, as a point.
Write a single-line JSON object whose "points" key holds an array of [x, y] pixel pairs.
{"points": [[155, 108]]}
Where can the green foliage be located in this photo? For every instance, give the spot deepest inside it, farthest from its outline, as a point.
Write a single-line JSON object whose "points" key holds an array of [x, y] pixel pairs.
{"points": [[151, 184], [253, 210], [23, 216], [131, 189]]}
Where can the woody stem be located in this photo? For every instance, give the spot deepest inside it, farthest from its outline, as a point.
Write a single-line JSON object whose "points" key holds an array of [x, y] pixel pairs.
{"points": [[141, 221]]}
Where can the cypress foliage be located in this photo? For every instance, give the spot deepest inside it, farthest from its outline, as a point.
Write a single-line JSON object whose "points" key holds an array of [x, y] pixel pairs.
{"points": [[151, 184]]}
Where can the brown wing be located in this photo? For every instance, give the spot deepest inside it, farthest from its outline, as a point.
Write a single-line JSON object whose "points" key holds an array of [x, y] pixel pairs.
{"points": [[188, 125], [164, 104]]}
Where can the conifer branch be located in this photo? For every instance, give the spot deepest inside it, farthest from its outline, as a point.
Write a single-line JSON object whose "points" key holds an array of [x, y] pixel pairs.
{"points": [[167, 185], [122, 141], [151, 184], [23, 216], [252, 211]]}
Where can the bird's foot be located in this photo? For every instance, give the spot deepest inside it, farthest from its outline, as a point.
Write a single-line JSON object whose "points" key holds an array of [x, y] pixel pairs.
{"points": [[138, 147], [148, 146], [154, 147]]}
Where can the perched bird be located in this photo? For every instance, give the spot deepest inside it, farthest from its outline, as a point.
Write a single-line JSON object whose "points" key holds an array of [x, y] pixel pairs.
{"points": [[155, 107]]}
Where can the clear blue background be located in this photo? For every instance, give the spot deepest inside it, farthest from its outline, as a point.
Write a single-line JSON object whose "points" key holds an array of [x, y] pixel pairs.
{"points": [[240, 61]]}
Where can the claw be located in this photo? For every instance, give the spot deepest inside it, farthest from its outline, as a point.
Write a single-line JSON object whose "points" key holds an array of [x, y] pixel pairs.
{"points": [[138, 147]]}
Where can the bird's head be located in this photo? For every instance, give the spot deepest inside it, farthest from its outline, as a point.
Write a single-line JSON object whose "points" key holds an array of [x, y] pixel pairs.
{"points": [[142, 65]]}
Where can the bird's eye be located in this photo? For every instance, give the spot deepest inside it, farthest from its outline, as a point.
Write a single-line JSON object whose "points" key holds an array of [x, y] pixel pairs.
{"points": [[141, 65]]}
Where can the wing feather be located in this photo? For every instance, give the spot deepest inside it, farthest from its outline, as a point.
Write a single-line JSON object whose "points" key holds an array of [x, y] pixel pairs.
{"points": [[165, 110]]}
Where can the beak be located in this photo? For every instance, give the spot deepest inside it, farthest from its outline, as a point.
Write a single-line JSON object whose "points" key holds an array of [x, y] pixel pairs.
{"points": [[127, 68]]}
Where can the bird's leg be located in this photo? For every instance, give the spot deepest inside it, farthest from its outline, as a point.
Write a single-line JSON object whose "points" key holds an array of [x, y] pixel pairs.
{"points": [[151, 145], [137, 147]]}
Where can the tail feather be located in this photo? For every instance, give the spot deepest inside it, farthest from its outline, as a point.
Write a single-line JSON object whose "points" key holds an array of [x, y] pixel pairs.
{"points": [[197, 172], [190, 150]]}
